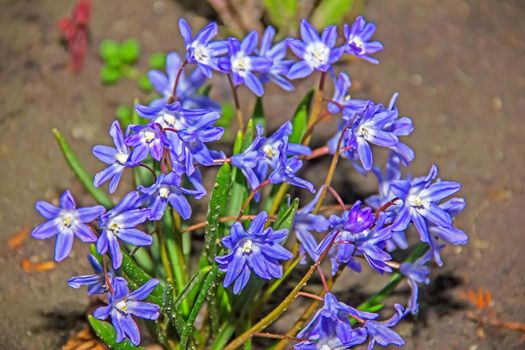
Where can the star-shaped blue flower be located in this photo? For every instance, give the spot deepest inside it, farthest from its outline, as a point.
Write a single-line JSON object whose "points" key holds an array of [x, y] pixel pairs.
{"points": [[357, 40], [256, 250], [65, 223]]}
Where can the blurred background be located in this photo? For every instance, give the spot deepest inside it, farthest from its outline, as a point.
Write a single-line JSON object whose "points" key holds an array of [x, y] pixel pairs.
{"points": [[459, 66]]}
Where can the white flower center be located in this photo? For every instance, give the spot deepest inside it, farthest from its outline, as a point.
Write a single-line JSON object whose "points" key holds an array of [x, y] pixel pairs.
{"points": [[169, 118], [241, 65], [202, 53], [269, 150], [121, 157], [415, 201], [149, 135], [164, 192], [247, 247], [68, 219], [357, 43], [317, 54], [113, 227], [363, 131], [121, 306]]}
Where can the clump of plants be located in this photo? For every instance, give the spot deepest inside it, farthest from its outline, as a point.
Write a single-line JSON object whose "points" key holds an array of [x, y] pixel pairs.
{"points": [[220, 282]]}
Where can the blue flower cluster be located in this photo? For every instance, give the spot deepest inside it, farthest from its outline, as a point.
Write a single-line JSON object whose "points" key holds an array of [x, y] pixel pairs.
{"points": [[173, 143]]}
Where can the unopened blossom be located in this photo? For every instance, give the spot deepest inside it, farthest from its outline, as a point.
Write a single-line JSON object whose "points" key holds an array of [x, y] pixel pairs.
{"points": [[286, 173], [342, 101], [200, 49], [123, 305], [242, 63], [417, 273], [66, 222], [316, 52], [118, 159], [120, 224], [358, 39], [256, 250]]}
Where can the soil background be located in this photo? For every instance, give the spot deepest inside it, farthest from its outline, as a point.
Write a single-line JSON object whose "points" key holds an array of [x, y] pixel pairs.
{"points": [[459, 66]]}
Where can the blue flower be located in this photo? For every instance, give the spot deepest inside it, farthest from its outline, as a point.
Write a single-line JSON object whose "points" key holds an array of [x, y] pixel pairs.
{"points": [[187, 87], [122, 305], [357, 233], [416, 272], [65, 223], [243, 65], [286, 170], [344, 103], [255, 250], [333, 321], [421, 197], [380, 332], [305, 222], [200, 50], [96, 282], [357, 39], [146, 139], [167, 189], [120, 223], [188, 145], [277, 55], [118, 159], [172, 115], [316, 53]]}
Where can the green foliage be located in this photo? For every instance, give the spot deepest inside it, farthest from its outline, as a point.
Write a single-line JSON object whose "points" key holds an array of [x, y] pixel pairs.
{"points": [[110, 75], [79, 170], [124, 114], [300, 118], [129, 51], [157, 60], [331, 12], [108, 335], [145, 84], [282, 13], [109, 50]]}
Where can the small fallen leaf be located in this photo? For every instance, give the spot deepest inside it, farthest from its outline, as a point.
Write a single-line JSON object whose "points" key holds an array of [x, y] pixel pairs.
{"points": [[18, 238], [30, 267], [83, 340], [480, 299]]}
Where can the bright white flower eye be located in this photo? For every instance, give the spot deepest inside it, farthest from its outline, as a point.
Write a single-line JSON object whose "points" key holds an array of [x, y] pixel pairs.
{"points": [[149, 135], [317, 54], [201, 53], [240, 64], [164, 192], [358, 43], [122, 306], [247, 247], [121, 157]]}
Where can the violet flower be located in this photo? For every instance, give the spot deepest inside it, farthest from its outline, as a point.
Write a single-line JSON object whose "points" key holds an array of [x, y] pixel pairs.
{"points": [[381, 332], [243, 64], [357, 40], [65, 223], [256, 250], [200, 50], [316, 52], [120, 223], [96, 282], [118, 159], [122, 305], [277, 55]]}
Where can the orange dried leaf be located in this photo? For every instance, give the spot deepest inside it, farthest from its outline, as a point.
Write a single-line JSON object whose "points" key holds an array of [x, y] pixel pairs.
{"points": [[29, 266], [18, 238]]}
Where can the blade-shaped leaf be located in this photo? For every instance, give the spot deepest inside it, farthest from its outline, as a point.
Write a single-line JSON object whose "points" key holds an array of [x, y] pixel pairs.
{"points": [[79, 170], [300, 118], [108, 335]]}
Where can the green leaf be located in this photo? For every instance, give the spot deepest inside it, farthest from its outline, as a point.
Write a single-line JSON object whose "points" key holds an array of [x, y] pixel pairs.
{"points": [[212, 280], [145, 84], [300, 118], [281, 12], [205, 90], [108, 335], [157, 60], [108, 50], [286, 216], [331, 12], [124, 114], [110, 75], [228, 112], [86, 179], [258, 113], [129, 50], [218, 202], [138, 276]]}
